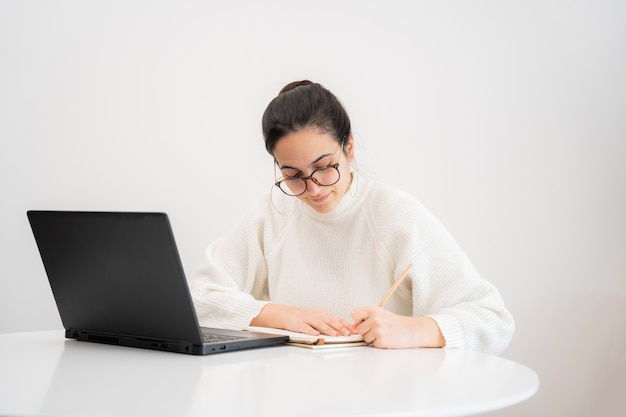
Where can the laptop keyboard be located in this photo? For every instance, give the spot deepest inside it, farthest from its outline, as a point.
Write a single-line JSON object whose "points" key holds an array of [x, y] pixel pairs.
{"points": [[216, 338]]}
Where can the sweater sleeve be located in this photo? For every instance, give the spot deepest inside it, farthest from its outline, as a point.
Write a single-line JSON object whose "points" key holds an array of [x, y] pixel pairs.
{"points": [[444, 284], [229, 289]]}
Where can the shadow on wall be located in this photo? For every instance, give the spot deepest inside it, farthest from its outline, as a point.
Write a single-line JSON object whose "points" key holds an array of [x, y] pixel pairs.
{"points": [[577, 346]]}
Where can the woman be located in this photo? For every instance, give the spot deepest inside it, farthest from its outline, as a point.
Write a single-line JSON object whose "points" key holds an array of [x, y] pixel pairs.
{"points": [[320, 254]]}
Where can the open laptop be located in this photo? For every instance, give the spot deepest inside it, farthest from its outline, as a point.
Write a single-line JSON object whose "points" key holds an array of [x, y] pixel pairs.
{"points": [[117, 278]]}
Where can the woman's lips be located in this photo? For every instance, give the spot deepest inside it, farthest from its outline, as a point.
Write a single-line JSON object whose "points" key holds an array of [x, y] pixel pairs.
{"points": [[320, 199]]}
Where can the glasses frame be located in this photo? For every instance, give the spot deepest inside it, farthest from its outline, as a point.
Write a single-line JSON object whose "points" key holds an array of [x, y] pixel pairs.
{"points": [[311, 177]]}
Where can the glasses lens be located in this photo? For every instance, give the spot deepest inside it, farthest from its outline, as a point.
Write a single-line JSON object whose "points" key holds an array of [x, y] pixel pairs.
{"points": [[326, 176], [293, 186]]}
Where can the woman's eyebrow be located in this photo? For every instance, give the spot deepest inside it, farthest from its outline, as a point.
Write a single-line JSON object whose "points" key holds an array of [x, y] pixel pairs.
{"points": [[312, 163]]}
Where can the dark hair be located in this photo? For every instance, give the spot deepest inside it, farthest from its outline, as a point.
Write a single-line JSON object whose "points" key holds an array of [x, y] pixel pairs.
{"points": [[301, 105]]}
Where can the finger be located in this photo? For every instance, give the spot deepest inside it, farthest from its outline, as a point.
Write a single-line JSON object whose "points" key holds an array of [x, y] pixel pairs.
{"points": [[359, 314], [356, 326], [369, 338], [324, 328], [341, 326], [362, 328], [305, 328]]}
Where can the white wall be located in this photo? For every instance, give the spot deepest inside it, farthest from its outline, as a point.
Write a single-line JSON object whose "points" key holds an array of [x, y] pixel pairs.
{"points": [[506, 119]]}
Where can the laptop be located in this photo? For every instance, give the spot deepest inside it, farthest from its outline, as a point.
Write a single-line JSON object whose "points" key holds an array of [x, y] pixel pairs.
{"points": [[117, 278]]}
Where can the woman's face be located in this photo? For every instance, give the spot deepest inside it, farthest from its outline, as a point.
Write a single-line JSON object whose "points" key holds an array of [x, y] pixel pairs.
{"points": [[300, 153]]}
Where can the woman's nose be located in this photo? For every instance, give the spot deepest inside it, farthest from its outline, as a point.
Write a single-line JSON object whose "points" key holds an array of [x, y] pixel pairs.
{"points": [[311, 186]]}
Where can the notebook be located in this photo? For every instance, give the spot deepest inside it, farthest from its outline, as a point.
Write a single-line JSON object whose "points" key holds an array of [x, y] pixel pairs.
{"points": [[117, 278], [314, 342]]}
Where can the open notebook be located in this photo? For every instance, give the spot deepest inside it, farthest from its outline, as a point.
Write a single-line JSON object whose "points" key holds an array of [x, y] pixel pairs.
{"points": [[313, 342]]}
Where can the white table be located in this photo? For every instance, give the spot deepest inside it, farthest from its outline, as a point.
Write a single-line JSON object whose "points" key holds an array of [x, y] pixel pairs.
{"points": [[44, 374]]}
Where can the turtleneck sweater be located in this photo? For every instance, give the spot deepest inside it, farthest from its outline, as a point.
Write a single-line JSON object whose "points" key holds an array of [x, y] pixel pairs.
{"points": [[285, 252]]}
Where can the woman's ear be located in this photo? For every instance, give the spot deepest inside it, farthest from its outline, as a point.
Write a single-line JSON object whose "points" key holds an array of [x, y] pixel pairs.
{"points": [[348, 148]]}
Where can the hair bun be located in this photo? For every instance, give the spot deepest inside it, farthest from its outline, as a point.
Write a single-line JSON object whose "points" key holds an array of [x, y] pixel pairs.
{"points": [[293, 85]]}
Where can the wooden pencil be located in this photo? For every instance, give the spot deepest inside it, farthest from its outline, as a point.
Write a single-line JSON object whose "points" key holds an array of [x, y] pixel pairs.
{"points": [[396, 284]]}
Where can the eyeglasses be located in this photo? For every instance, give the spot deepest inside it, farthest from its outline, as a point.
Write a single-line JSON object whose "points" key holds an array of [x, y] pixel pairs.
{"points": [[296, 185]]}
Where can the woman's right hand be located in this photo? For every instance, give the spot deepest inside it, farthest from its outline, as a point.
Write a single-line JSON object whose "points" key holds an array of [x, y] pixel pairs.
{"points": [[302, 320]]}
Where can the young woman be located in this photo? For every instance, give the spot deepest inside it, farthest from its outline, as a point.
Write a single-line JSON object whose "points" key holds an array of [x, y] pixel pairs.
{"points": [[320, 254]]}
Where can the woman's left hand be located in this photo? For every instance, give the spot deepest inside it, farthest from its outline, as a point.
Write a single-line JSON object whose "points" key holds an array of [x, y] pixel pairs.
{"points": [[384, 329]]}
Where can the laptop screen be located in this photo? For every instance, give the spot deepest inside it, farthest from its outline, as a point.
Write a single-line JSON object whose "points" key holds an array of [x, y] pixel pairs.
{"points": [[102, 266]]}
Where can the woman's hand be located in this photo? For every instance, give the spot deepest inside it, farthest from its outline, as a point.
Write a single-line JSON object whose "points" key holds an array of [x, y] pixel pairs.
{"points": [[384, 329], [302, 320]]}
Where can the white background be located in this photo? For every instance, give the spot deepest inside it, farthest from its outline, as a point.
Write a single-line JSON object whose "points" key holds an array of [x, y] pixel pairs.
{"points": [[506, 119]]}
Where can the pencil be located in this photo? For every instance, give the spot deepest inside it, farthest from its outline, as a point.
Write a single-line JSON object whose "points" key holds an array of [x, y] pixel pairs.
{"points": [[395, 285]]}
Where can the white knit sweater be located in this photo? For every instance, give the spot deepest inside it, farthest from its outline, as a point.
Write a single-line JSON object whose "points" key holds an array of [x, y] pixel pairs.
{"points": [[287, 253]]}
